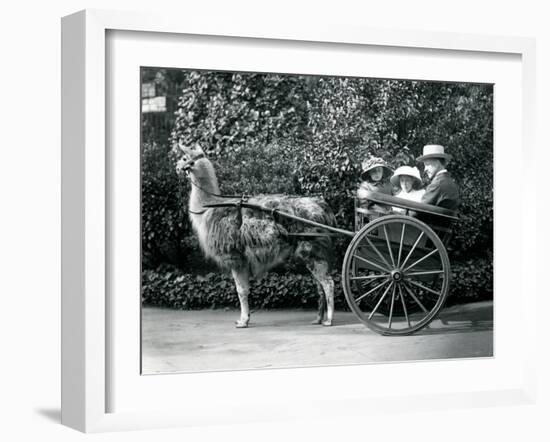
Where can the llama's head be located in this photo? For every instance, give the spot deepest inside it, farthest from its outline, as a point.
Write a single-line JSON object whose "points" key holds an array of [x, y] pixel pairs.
{"points": [[190, 155], [197, 167]]}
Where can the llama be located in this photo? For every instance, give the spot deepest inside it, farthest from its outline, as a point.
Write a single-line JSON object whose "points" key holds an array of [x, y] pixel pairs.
{"points": [[249, 242]]}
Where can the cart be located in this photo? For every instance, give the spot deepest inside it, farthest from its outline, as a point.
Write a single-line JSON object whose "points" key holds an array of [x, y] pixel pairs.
{"points": [[396, 270]]}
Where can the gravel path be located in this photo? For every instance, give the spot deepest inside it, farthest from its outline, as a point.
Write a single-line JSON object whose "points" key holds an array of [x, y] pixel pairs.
{"points": [[206, 340]]}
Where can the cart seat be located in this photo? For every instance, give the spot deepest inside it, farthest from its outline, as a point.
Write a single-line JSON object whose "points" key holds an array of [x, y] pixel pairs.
{"points": [[439, 219], [426, 209]]}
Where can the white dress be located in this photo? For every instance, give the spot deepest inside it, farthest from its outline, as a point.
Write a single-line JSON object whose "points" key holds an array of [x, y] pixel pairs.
{"points": [[413, 195]]}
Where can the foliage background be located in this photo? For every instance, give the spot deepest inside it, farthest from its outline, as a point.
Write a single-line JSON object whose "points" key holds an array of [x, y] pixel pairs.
{"points": [[272, 133]]}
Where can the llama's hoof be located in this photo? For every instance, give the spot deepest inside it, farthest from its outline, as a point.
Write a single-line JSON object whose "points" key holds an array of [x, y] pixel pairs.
{"points": [[327, 323], [241, 324]]}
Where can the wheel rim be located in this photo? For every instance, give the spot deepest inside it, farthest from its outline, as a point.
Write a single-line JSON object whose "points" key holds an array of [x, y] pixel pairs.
{"points": [[396, 275]]}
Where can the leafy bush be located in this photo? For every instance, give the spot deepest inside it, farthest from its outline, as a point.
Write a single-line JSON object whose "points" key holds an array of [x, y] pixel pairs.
{"points": [[170, 287], [175, 289], [471, 280], [164, 222]]}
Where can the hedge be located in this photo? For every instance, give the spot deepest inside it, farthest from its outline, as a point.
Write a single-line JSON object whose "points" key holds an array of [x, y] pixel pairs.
{"points": [[175, 289], [171, 287]]}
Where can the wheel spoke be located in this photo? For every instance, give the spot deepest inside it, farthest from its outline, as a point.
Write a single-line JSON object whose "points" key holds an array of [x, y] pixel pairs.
{"points": [[413, 248], [372, 263], [371, 290], [420, 260], [404, 306], [389, 246], [355, 278], [420, 286], [401, 245], [427, 272], [364, 249], [378, 252], [413, 296], [391, 306], [380, 301]]}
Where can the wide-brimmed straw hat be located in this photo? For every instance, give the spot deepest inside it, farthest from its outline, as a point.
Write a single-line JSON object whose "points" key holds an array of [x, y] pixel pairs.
{"points": [[434, 151], [406, 171], [373, 162]]}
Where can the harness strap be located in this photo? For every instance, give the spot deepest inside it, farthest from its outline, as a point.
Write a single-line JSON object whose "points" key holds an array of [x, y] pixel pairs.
{"points": [[197, 213]]}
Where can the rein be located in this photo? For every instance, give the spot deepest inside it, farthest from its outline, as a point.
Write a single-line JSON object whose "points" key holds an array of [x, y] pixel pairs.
{"points": [[244, 196], [202, 212], [187, 166]]}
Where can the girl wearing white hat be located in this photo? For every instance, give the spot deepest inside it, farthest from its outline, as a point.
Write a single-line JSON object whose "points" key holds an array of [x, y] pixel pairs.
{"points": [[408, 180]]}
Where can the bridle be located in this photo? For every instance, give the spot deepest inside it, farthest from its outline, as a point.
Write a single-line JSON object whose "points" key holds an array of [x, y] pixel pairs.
{"points": [[190, 162], [186, 167]]}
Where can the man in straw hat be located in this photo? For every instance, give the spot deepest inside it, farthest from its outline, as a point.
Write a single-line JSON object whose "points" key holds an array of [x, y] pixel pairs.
{"points": [[442, 190]]}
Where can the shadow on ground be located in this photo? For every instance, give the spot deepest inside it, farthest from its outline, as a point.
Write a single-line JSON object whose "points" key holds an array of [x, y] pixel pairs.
{"points": [[51, 414]]}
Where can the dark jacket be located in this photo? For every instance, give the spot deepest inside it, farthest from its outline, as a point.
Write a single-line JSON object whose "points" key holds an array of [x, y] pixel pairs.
{"points": [[443, 192], [382, 186]]}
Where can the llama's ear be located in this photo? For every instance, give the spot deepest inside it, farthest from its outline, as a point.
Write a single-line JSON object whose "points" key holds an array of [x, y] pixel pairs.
{"points": [[185, 149], [190, 151], [198, 148]]}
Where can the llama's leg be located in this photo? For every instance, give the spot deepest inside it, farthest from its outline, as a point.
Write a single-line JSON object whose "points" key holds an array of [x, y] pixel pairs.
{"points": [[243, 288], [319, 270], [322, 304]]}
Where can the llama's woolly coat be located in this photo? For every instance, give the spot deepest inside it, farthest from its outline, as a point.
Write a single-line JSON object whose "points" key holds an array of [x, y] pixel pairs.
{"points": [[259, 242]]}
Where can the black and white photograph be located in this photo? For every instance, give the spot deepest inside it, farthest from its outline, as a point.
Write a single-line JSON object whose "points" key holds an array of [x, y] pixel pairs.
{"points": [[285, 221], [299, 220]]}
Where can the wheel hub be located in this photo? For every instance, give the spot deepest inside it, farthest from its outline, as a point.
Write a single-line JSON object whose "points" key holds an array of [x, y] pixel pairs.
{"points": [[396, 275]]}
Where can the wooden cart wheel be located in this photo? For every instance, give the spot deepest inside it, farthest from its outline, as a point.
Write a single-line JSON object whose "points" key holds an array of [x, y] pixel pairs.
{"points": [[396, 275]]}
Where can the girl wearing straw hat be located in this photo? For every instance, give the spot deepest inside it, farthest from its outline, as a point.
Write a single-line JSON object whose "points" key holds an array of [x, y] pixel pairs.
{"points": [[375, 178], [408, 180]]}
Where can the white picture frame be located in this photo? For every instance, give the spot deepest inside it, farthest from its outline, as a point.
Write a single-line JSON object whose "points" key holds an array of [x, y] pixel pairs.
{"points": [[86, 315]]}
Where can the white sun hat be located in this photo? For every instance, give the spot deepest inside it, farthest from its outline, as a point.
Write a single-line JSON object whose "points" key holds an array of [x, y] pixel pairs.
{"points": [[407, 171]]}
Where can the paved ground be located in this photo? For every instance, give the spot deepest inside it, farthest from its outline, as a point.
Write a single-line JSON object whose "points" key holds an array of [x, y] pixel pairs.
{"points": [[206, 340]]}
